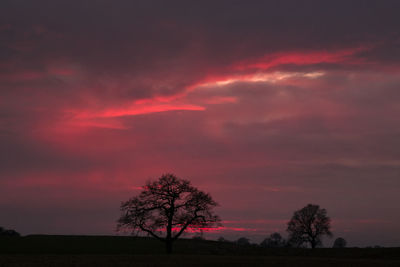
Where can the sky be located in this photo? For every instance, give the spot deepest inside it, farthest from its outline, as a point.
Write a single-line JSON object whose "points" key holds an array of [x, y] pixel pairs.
{"points": [[266, 105]]}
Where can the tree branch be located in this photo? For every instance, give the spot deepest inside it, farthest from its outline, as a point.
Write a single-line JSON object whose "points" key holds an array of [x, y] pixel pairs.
{"points": [[183, 228], [151, 233]]}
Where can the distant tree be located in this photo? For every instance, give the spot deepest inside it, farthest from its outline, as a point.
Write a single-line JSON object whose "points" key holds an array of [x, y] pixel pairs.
{"points": [[275, 240], [198, 237], [166, 208], [8, 232], [339, 243], [243, 241], [293, 242], [308, 225], [222, 239]]}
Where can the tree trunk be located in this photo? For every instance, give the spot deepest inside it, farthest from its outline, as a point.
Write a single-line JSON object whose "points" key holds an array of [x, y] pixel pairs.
{"points": [[168, 239], [168, 243]]}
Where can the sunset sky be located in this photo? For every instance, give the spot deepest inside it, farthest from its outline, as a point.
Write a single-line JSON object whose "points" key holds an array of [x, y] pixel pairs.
{"points": [[267, 105]]}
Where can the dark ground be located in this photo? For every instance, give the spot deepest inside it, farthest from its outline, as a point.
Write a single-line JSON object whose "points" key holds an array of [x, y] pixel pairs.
{"points": [[129, 251]]}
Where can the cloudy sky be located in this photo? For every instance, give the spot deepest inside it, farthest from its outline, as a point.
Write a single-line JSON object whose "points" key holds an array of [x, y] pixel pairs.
{"points": [[267, 105]]}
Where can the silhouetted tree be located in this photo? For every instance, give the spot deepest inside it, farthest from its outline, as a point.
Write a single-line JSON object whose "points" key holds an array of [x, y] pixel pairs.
{"points": [[339, 243], [8, 232], [309, 225], [166, 208], [295, 242], [275, 240], [222, 239], [198, 237], [243, 241]]}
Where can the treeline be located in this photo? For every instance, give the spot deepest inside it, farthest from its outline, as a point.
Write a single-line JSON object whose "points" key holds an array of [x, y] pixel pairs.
{"points": [[275, 240], [306, 228]]}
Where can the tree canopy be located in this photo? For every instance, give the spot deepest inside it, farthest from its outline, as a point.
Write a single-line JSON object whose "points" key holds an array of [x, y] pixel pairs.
{"points": [[243, 241], [8, 232], [340, 242]]}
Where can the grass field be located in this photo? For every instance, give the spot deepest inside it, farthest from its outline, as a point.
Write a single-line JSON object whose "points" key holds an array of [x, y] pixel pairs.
{"points": [[181, 260], [129, 251]]}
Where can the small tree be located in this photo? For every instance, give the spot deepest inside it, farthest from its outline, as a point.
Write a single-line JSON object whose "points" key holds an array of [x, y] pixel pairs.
{"points": [[166, 208], [309, 225], [275, 240], [222, 239], [340, 243], [198, 237], [243, 241], [8, 232]]}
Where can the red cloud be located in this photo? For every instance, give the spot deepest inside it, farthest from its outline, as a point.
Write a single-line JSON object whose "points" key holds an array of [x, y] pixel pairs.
{"points": [[137, 110], [303, 58]]}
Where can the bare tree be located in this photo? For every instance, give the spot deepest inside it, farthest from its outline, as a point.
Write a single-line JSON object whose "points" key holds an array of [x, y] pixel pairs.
{"points": [[309, 225], [166, 208], [340, 242]]}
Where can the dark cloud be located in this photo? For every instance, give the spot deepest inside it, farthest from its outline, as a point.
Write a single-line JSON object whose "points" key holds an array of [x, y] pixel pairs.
{"points": [[137, 50]]}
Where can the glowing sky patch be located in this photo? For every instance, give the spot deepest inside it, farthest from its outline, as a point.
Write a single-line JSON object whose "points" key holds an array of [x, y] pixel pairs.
{"points": [[137, 110], [273, 77], [304, 58]]}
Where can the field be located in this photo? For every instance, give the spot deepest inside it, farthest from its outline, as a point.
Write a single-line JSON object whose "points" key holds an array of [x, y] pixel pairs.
{"points": [[130, 251]]}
